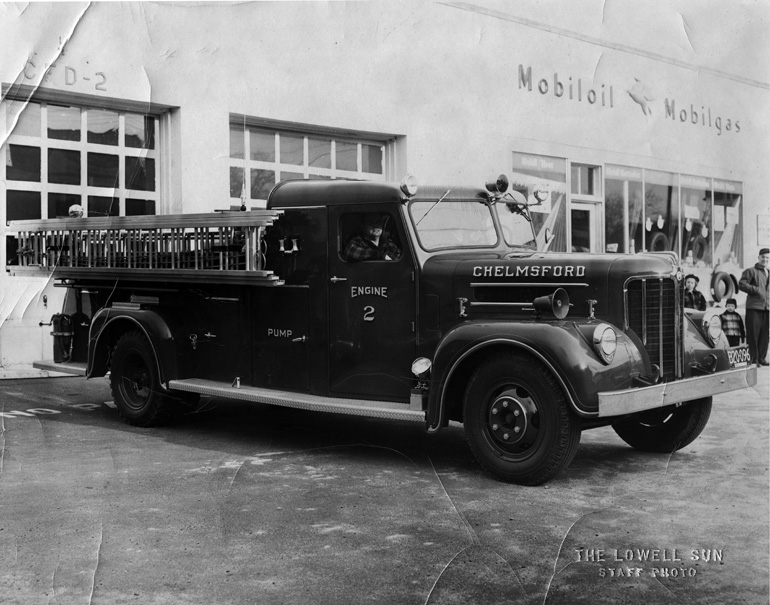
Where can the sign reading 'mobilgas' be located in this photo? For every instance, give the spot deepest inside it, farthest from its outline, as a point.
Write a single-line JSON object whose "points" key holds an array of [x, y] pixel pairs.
{"points": [[603, 95]]}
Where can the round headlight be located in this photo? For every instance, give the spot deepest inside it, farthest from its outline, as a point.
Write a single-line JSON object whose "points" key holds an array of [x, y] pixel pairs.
{"points": [[421, 367], [714, 328], [605, 342]]}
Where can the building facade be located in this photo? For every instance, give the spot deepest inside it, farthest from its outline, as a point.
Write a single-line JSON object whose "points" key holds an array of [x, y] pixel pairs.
{"points": [[630, 132]]}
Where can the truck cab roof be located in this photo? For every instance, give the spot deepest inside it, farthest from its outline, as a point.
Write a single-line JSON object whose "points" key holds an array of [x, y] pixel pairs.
{"points": [[340, 192]]}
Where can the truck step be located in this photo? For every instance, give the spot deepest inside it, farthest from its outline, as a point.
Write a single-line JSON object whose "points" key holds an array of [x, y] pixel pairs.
{"points": [[357, 407], [75, 368]]}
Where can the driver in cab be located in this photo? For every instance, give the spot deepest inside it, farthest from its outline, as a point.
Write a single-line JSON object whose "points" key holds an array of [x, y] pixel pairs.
{"points": [[372, 243]]}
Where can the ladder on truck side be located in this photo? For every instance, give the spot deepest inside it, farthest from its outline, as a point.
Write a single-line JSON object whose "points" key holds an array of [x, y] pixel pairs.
{"points": [[225, 246]]}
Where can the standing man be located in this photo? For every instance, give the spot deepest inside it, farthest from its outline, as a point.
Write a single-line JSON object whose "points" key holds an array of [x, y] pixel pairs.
{"points": [[755, 282]]}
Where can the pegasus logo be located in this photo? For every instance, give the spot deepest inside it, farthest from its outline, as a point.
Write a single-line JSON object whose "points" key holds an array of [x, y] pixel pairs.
{"points": [[641, 94]]}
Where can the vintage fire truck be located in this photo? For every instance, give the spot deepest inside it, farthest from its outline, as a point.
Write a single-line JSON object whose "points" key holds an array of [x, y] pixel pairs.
{"points": [[454, 315]]}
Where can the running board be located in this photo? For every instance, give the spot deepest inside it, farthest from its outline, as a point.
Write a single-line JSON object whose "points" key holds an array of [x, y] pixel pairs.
{"points": [[303, 401], [75, 368]]}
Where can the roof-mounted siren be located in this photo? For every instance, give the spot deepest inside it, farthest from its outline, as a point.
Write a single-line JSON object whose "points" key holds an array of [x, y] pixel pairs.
{"points": [[497, 185], [408, 186]]}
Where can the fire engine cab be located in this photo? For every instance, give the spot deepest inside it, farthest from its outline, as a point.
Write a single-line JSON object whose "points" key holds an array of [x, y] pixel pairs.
{"points": [[382, 300]]}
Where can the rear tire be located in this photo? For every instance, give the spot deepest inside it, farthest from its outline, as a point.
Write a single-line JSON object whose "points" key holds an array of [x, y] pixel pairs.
{"points": [[135, 383], [518, 421], [667, 429]]}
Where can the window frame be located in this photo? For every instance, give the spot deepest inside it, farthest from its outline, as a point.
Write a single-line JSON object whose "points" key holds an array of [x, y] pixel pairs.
{"points": [[243, 163]]}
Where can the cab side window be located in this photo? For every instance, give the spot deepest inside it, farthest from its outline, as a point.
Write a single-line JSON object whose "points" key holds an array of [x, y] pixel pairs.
{"points": [[369, 236]]}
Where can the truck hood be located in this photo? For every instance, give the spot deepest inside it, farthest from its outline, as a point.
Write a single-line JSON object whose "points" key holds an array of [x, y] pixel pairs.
{"points": [[495, 284]]}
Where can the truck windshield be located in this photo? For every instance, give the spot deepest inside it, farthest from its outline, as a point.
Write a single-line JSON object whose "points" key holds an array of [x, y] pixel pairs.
{"points": [[467, 224], [517, 228]]}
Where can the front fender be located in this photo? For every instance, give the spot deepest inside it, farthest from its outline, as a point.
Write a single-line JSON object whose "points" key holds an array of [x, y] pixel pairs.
{"points": [[109, 324], [564, 347]]}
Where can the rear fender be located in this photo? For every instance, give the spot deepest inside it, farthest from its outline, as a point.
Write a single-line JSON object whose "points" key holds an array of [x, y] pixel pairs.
{"points": [[563, 347], [108, 325]]}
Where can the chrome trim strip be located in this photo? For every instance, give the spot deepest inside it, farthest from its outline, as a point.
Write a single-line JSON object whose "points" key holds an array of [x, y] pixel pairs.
{"points": [[629, 401], [660, 324], [530, 285], [499, 304], [304, 401], [644, 311]]}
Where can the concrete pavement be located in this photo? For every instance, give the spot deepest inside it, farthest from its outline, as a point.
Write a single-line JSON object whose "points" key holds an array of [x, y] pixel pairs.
{"points": [[242, 503]]}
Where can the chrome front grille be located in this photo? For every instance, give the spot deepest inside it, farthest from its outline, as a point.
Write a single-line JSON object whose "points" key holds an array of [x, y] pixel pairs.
{"points": [[653, 313]]}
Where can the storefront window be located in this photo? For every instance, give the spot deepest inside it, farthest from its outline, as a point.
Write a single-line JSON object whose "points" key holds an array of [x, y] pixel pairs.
{"points": [[623, 206], [661, 211], [728, 240], [696, 214], [543, 181]]}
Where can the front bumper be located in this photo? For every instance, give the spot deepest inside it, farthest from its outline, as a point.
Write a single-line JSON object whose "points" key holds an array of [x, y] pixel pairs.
{"points": [[629, 401]]}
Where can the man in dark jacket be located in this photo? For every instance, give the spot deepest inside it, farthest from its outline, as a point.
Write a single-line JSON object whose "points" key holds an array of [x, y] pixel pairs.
{"points": [[755, 282]]}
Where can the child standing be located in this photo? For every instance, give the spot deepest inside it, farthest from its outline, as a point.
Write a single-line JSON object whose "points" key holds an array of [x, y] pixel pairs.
{"points": [[732, 324]]}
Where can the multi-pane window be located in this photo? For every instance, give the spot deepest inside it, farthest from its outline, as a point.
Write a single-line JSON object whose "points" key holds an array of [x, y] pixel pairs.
{"points": [[262, 157], [60, 155]]}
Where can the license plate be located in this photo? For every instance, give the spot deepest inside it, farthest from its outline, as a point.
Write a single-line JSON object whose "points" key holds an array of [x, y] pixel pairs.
{"points": [[738, 356]]}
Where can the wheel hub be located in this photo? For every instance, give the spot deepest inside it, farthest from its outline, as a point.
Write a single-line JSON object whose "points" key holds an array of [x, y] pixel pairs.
{"points": [[509, 419]]}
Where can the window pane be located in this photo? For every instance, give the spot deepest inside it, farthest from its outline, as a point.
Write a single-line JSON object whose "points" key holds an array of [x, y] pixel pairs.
{"points": [[140, 131], [236, 181], [59, 204], [583, 179], [728, 242], [696, 214], [262, 146], [64, 123], [28, 123], [64, 166], [140, 207], [262, 181], [623, 205], [22, 163], [661, 207], [291, 176], [292, 149], [347, 156], [319, 152], [140, 174], [22, 205], [103, 170], [237, 142], [371, 158], [103, 206], [102, 127]]}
